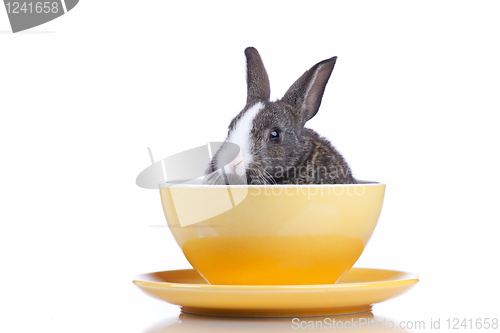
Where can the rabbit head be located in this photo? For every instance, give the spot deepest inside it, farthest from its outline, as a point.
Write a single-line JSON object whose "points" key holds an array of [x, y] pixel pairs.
{"points": [[271, 135]]}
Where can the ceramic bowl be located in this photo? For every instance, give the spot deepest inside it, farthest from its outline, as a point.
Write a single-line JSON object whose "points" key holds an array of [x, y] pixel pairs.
{"points": [[272, 234]]}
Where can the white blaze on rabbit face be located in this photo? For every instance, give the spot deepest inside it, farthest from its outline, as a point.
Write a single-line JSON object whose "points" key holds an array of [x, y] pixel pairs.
{"points": [[240, 135]]}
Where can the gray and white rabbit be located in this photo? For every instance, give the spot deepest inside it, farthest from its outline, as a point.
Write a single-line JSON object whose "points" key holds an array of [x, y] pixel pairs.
{"points": [[275, 147]]}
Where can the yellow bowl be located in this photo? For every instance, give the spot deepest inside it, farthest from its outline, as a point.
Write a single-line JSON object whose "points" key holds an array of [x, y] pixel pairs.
{"points": [[272, 235]]}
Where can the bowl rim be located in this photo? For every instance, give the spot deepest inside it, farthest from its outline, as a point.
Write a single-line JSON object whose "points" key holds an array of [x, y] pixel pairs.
{"points": [[182, 184]]}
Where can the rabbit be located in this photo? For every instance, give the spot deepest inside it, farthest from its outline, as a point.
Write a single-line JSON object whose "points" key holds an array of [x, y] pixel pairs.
{"points": [[274, 145]]}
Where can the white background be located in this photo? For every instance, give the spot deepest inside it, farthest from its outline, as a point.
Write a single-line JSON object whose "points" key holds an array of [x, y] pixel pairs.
{"points": [[413, 102]]}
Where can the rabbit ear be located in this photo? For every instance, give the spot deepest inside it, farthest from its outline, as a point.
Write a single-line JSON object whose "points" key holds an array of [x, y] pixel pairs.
{"points": [[258, 88], [306, 93]]}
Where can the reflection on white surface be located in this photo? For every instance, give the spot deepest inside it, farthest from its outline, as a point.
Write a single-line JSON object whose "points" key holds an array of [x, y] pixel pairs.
{"points": [[362, 322]]}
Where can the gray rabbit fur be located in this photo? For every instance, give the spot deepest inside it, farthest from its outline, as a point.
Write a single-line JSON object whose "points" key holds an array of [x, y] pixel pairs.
{"points": [[275, 147]]}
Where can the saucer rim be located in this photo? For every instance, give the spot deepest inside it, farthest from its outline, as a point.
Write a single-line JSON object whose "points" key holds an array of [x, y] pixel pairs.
{"points": [[407, 278]]}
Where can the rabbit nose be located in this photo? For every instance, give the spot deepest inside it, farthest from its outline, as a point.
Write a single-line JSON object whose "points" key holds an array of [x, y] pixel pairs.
{"points": [[237, 166], [238, 159]]}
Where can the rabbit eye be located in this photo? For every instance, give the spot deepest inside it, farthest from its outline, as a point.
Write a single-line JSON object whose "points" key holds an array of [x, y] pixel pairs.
{"points": [[274, 135]]}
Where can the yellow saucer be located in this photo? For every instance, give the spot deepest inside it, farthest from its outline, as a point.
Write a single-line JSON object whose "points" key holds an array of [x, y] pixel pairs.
{"points": [[356, 292]]}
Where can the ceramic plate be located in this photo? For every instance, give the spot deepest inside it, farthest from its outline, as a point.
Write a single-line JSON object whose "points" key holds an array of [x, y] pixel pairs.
{"points": [[356, 292]]}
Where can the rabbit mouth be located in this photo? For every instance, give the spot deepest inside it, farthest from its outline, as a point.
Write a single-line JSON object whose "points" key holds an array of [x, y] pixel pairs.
{"points": [[259, 176], [232, 179]]}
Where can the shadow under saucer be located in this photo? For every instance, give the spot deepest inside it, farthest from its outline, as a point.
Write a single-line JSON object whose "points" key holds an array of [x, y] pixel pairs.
{"points": [[362, 322]]}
